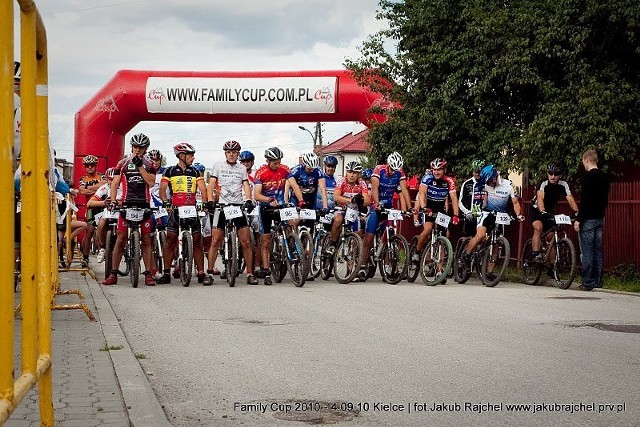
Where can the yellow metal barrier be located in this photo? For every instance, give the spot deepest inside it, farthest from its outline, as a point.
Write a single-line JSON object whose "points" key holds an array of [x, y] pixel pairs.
{"points": [[36, 243]]}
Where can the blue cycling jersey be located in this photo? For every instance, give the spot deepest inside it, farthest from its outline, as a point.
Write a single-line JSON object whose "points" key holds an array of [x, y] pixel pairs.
{"points": [[308, 182], [388, 184], [330, 183]]}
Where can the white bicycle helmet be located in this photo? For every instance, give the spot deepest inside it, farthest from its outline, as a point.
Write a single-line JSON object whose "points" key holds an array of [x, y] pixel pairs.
{"points": [[438, 163], [183, 148], [395, 161], [310, 160]]}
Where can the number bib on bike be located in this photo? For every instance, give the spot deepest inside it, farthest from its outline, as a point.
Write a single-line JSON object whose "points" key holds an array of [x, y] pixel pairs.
{"points": [[562, 219], [231, 212], [308, 214], [394, 215], [287, 214], [351, 215], [443, 220], [134, 214], [503, 218], [187, 212]]}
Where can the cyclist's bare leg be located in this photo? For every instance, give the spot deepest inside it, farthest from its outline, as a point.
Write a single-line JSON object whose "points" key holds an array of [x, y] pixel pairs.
{"points": [[423, 238], [481, 232], [102, 232], [257, 251], [147, 252], [217, 235], [121, 239], [86, 242], [536, 241], [198, 252], [247, 250], [366, 247], [169, 249], [335, 227], [265, 247]]}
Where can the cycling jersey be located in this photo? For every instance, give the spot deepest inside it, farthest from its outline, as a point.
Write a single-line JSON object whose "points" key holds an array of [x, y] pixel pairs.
{"points": [[437, 190], [135, 190], [230, 179], [498, 196], [349, 190], [183, 184], [307, 181], [154, 192], [102, 193], [273, 182], [389, 183], [469, 197], [85, 182], [330, 183], [552, 193]]}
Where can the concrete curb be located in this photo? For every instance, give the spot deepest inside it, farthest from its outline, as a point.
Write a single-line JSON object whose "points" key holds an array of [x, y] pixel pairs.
{"points": [[140, 400]]}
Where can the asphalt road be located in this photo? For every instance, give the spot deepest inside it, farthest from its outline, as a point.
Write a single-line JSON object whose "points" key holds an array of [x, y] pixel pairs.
{"points": [[377, 354]]}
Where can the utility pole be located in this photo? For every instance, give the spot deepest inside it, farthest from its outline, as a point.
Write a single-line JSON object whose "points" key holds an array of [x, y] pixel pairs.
{"points": [[318, 139]]}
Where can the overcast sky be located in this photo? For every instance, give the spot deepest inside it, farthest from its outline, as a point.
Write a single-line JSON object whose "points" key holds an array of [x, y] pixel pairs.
{"points": [[88, 42]]}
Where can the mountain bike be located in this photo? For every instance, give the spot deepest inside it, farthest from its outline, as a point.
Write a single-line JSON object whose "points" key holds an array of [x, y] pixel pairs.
{"points": [[321, 239], [159, 238], [348, 254], [307, 236], [230, 252], [390, 250], [188, 215], [557, 254], [437, 255], [489, 258], [287, 252], [134, 216]]}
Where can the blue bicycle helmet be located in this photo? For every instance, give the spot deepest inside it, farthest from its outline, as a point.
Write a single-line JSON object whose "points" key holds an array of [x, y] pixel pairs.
{"points": [[488, 173], [366, 174], [246, 155], [198, 166], [330, 161]]}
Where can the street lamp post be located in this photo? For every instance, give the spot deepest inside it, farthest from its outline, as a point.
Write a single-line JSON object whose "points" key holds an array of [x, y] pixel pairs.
{"points": [[316, 138]]}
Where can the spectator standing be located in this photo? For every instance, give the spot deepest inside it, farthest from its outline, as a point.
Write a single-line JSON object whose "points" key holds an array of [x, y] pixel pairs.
{"points": [[590, 220]]}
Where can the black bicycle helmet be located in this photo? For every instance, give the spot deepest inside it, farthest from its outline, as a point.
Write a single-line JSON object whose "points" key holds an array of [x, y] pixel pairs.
{"points": [[140, 140], [273, 153]]}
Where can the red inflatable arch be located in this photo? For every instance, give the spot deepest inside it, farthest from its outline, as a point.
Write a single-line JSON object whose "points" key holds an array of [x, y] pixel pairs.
{"points": [[134, 96]]}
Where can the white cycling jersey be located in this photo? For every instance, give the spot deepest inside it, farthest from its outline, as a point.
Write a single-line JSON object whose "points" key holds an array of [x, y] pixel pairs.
{"points": [[231, 180]]}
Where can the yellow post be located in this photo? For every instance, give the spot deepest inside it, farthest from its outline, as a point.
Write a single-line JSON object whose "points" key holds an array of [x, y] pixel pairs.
{"points": [[6, 207], [29, 221], [44, 241]]}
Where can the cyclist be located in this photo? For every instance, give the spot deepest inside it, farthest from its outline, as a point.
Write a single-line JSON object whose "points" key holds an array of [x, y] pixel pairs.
{"points": [[233, 181], [100, 200], [366, 177], [136, 175], [88, 185], [384, 183], [247, 159], [470, 202], [312, 183], [183, 181], [435, 187], [205, 222], [269, 189], [497, 192], [544, 203], [330, 164], [350, 192]]}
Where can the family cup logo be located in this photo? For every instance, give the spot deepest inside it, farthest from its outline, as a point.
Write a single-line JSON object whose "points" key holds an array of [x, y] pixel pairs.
{"points": [[108, 105], [156, 94]]}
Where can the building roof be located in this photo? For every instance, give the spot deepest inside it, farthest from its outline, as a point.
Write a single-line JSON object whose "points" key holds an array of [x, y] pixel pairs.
{"points": [[349, 143]]}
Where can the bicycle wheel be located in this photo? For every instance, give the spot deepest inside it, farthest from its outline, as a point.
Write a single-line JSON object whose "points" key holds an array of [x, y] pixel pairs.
{"points": [[531, 269], [307, 249], [496, 255], [232, 258], [186, 258], [134, 260], [347, 258], [413, 268], [109, 242], [565, 265], [461, 272], [393, 262], [296, 263], [157, 253], [315, 264], [277, 264], [436, 261], [326, 261]]}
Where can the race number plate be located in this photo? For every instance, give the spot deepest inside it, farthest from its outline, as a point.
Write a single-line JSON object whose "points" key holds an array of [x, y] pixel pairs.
{"points": [[111, 214], [135, 214], [503, 218], [327, 219], [351, 215], [287, 214], [98, 216], [187, 212], [161, 213], [563, 219], [394, 215], [443, 220], [308, 214], [19, 207], [231, 212]]}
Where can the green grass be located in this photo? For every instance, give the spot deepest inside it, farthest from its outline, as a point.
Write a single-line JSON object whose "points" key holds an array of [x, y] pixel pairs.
{"points": [[140, 356], [113, 347]]}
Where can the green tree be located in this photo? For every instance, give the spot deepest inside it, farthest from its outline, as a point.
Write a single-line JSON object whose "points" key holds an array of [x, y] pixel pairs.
{"points": [[518, 83]]}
